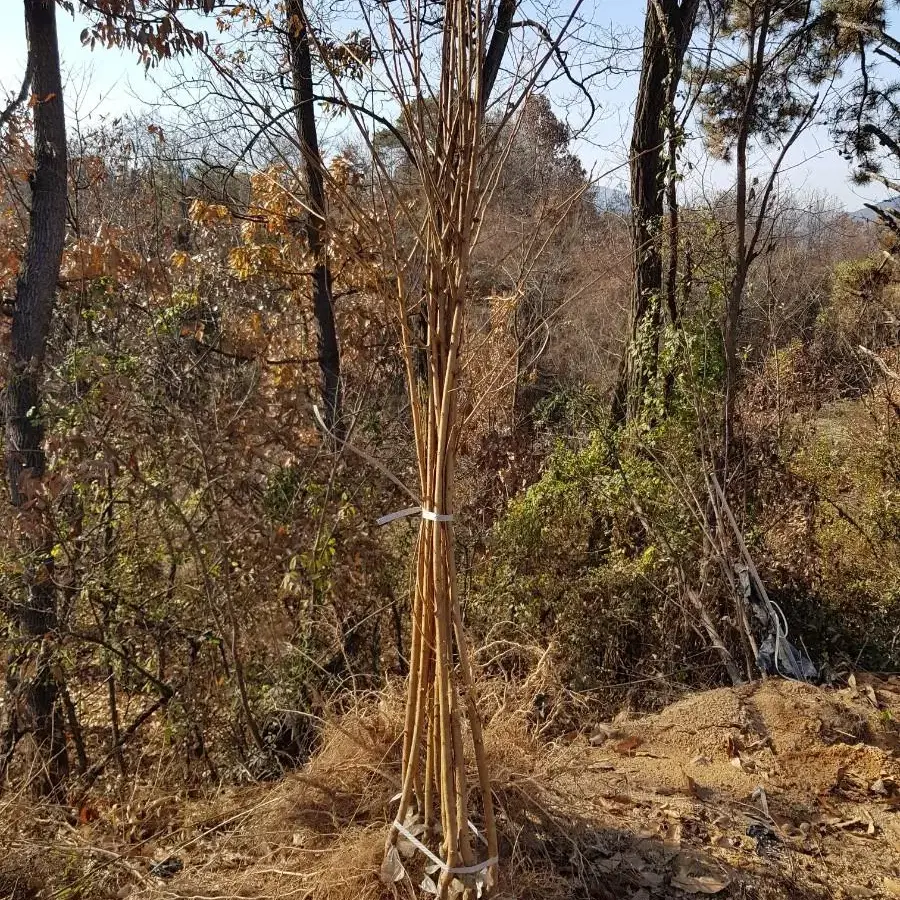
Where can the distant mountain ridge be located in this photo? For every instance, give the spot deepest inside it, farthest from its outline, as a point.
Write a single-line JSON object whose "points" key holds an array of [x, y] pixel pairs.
{"points": [[867, 215], [609, 198]]}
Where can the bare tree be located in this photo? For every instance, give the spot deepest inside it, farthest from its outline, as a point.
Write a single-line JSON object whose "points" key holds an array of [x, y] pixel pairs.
{"points": [[34, 693], [297, 30], [30, 674], [668, 27]]}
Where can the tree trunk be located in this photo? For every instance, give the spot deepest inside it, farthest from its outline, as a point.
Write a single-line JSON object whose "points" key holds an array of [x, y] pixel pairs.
{"points": [[307, 136], [496, 49], [36, 694], [733, 303], [735, 296], [667, 30]]}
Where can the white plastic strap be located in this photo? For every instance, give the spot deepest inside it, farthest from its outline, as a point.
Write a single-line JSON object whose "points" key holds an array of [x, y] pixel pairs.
{"points": [[400, 514], [428, 514], [453, 870], [432, 516], [469, 822]]}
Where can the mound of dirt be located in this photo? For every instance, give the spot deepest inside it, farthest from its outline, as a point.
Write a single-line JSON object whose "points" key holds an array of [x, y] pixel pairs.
{"points": [[775, 790], [786, 790]]}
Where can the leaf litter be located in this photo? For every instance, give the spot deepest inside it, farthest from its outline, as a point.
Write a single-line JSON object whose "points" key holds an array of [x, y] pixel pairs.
{"points": [[656, 811]]}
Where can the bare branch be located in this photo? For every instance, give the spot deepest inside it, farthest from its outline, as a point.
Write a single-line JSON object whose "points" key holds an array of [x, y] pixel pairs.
{"points": [[19, 99]]}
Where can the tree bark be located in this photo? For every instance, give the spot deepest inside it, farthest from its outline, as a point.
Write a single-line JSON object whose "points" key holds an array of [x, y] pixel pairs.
{"points": [[33, 682], [496, 49], [743, 250], [667, 31], [733, 304], [316, 221]]}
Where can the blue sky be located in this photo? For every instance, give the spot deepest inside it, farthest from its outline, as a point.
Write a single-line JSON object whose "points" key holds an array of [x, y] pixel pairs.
{"points": [[110, 82]]}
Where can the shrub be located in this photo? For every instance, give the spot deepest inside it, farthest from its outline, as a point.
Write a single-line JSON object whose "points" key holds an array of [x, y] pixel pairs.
{"points": [[573, 559]]}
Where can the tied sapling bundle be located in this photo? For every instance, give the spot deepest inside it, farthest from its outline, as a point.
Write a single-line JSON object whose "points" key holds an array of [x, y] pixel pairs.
{"points": [[423, 239], [447, 142]]}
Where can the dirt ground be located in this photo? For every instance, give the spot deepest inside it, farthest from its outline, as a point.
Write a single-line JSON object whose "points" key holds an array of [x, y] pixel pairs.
{"points": [[773, 790]]}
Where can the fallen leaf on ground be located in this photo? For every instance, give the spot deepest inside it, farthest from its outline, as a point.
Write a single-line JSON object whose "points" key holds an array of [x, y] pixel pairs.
{"points": [[603, 733], [627, 746], [759, 798], [700, 884], [695, 876]]}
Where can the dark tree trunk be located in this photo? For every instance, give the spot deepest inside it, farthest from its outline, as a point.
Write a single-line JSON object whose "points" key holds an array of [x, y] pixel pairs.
{"points": [[307, 136], [734, 301], [744, 249], [496, 49], [672, 228], [667, 32], [729, 339], [35, 691]]}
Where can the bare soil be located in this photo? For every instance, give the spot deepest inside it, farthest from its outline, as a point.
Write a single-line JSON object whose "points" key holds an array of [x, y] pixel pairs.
{"points": [[774, 790]]}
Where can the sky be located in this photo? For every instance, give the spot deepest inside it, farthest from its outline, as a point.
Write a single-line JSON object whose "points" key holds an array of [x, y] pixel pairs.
{"points": [[111, 82]]}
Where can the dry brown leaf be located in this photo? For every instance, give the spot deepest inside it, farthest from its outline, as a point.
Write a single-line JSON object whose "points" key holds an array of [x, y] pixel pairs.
{"points": [[611, 864], [628, 746], [604, 732], [691, 786], [700, 884]]}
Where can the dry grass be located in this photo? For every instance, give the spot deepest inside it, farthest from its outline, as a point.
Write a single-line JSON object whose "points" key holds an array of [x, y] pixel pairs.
{"points": [[662, 804]]}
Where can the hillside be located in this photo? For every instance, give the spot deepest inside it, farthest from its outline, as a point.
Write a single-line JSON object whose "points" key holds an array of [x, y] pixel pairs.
{"points": [[449, 449], [774, 790]]}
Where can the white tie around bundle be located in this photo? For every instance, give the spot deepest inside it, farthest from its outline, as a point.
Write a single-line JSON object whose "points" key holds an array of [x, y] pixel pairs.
{"points": [[428, 514]]}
